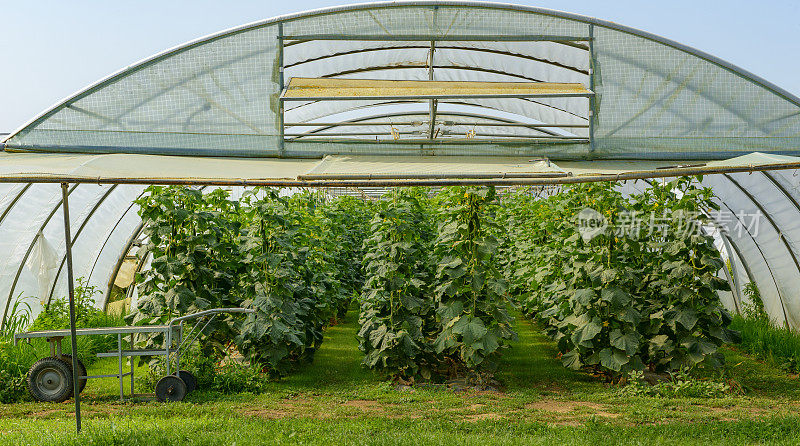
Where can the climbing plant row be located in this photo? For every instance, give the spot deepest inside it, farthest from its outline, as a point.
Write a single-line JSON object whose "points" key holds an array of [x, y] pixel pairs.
{"points": [[434, 303], [635, 291], [289, 258]]}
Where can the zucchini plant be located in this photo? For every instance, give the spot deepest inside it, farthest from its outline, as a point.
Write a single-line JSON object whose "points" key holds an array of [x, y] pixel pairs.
{"points": [[645, 297], [191, 237], [471, 293], [397, 309]]}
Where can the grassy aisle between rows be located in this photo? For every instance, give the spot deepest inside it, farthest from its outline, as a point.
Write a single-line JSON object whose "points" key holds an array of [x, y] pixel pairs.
{"points": [[336, 400]]}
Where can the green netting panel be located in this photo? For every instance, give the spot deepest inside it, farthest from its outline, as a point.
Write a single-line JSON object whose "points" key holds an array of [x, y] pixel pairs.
{"points": [[657, 101], [437, 20], [219, 96], [217, 99]]}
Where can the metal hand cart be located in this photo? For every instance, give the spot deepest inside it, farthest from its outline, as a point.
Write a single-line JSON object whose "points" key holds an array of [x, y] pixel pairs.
{"points": [[50, 378]]}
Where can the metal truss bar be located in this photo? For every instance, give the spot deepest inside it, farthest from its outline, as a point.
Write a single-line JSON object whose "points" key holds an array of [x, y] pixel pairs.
{"points": [[346, 134], [427, 38], [443, 47], [14, 202], [479, 124], [443, 96]]}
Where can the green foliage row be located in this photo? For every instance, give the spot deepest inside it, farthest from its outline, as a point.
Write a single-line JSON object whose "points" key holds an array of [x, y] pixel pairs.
{"points": [[289, 258], [434, 301], [624, 300]]}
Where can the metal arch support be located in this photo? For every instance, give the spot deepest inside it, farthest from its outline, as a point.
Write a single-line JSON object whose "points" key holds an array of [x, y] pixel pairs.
{"points": [[28, 253], [770, 219], [14, 202], [747, 271], [444, 47], [114, 228], [421, 113], [736, 288], [764, 257], [461, 101], [75, 238], [783, 190], [413, 66], [359, 120], [120, 260]]}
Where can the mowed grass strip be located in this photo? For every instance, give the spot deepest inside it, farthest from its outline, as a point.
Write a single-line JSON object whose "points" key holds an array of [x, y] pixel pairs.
{"points": [[336, 400]]}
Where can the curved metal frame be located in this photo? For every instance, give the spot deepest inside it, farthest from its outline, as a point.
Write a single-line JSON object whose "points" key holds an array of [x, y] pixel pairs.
{"points": [[387, 115], [384, 5], [461, 101], [74, 239], [763, 257], [438, 47], [14, 202], [114, 228]]}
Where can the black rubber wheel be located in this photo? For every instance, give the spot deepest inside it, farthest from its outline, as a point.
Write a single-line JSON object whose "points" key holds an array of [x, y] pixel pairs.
{"points": [[50, 379], [81, 371], [170, 388], [189, 380]]}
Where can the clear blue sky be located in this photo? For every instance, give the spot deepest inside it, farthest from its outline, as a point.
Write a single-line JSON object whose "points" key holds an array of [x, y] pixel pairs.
{"points": [[51, 48]]}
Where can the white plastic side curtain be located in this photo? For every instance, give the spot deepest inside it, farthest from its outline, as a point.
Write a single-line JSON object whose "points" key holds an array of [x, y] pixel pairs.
{"points": [[43, 263], [219, 96], [97, 247], [762, 222], [19, 229]]}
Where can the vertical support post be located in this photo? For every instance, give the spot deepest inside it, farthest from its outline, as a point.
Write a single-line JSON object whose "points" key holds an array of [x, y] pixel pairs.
{"points": [[169, 347], [119, 363], [592, 100], [433, 103], [281, 82], [130, 358], [71, 289]]}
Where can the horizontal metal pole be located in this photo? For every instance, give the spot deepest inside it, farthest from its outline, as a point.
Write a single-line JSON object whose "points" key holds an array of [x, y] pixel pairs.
{"points": [[116, 375], [429, 176], [211, 311], [428, 38], [150, 352], [442, 121], [444, 181], [436, 96], [87, 331], [320, 135]]}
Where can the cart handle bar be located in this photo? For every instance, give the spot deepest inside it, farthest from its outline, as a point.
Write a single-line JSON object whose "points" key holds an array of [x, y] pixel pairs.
{"points": [[212, 311]]}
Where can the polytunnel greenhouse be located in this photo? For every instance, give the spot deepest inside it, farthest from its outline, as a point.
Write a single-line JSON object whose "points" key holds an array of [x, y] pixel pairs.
{"points": [[492, 94], [360, 99]]}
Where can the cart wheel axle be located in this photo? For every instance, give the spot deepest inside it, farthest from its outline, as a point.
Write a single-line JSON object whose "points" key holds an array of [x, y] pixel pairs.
{"points": [[50, 380], [170, 388]]}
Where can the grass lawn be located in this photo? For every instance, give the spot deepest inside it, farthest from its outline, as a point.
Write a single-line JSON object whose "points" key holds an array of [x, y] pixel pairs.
{"points": [[335, 401]]}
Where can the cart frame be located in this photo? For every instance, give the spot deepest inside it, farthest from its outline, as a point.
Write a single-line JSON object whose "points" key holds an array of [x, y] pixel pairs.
{"points": [[173, 331]]}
